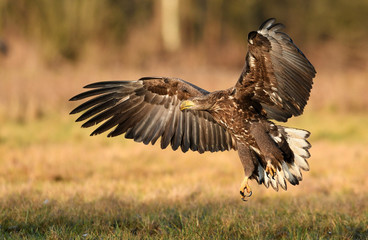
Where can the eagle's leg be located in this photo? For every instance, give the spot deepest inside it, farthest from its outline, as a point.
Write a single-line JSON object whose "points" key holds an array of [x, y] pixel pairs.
{"points": [[271, 154], [247, 160]]}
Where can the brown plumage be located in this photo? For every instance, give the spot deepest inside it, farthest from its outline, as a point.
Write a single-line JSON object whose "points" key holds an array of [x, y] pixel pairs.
{"points": [[275, 84]]}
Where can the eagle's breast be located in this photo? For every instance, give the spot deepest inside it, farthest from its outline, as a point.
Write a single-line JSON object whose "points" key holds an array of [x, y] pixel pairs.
{"points": [[236, 116]]}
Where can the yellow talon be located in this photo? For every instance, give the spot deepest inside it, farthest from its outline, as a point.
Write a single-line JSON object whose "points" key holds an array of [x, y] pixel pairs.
{"points": [[245, 186], [270, 169]]}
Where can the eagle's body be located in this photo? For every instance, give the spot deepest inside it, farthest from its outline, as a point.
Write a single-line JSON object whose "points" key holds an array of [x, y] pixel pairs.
{"points": [[274, 84]]}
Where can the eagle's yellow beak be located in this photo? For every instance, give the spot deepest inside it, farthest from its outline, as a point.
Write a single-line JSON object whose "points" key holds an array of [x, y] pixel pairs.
{"points": [[186, 104]]}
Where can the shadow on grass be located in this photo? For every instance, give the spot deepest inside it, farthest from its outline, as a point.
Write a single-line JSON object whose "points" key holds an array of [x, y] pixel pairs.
{"points": [[267, 218]]}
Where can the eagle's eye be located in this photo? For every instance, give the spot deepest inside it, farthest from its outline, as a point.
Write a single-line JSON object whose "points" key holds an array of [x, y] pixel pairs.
{"points": [[251, 36]]}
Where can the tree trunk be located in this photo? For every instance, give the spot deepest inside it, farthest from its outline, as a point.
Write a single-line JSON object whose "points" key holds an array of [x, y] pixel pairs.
{"points": [[170, 25]]}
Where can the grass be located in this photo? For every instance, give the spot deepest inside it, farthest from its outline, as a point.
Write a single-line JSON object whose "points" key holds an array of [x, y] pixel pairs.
{"points": [[59, 183], [113, 217]]}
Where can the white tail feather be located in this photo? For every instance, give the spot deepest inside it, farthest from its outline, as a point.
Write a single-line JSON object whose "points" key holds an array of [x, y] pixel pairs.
{"points": [[296, 139], [291, 171], [295, 170], [266, 179], [274, 184], [301, 152], [301, 162], [281, 179], [295, 133], [286, 170], [288, 175], [298, 143]]}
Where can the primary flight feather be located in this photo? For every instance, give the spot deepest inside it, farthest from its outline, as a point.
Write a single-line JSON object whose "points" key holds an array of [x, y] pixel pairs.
{"points": [[275, 84]]}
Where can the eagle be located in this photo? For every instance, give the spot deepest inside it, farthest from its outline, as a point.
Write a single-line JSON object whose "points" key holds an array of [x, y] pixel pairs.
{"points": [[274, 84]]}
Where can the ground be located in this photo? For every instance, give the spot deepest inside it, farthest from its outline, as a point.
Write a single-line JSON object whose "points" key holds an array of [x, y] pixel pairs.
{"points": [[57, 182]]}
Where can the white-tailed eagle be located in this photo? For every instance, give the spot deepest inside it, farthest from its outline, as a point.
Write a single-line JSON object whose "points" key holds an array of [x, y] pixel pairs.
{"points": [[274, 84]]}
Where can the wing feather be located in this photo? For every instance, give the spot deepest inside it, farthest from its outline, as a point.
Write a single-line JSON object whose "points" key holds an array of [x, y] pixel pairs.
{"points": [[187, 130], [97, 109], [94, 92], [194, 137], [93, 102], [202, 133], [179, 130], [276, 74], [148, 109], [171, 126], [211, 140]]}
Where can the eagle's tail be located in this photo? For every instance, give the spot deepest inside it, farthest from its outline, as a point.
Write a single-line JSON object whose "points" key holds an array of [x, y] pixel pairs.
{"points": [[294, 145]]}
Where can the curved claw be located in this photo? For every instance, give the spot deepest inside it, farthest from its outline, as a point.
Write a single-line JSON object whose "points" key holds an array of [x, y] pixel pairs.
{"points": [[249, 194], [243, 196], [245, 190]]}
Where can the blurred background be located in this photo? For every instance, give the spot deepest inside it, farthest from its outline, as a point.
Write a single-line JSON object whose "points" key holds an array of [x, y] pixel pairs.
{"points": [[49, 49]]}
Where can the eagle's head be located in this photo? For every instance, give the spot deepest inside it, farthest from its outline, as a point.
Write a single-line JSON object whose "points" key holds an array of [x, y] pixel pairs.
{"points": [[198, 103]]}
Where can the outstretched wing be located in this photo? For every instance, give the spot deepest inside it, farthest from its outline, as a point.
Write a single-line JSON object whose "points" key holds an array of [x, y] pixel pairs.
{"points": [[147, 109], [276, 72]]}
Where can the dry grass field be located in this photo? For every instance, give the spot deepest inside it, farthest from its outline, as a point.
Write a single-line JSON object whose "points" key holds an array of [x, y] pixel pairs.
{"points": [[56, 182]]}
